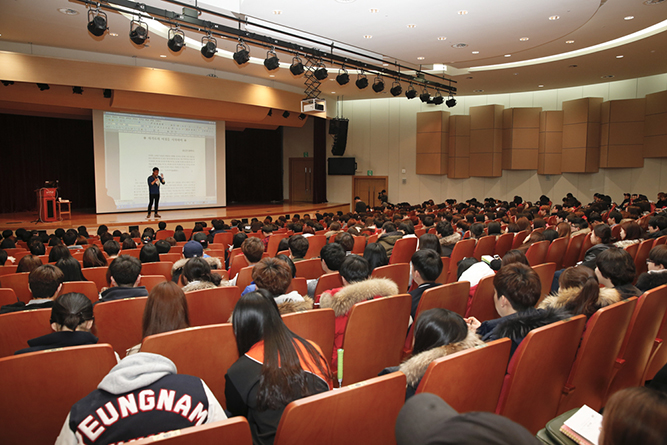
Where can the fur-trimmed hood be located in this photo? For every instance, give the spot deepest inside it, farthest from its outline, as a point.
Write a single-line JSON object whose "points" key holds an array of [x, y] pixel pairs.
{"points": [[200, 285], [450, 239], [291, 305], [516, 327], [415, 367], [214, 262], [355, 293], [608, 295]]}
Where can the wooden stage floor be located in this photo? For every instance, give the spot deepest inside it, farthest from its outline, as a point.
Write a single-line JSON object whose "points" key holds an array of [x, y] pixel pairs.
{"points": [[186, 218]]}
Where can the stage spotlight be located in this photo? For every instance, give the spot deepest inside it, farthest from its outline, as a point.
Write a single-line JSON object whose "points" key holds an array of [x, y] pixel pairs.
{"points": [[438, 99], [297, 66], [343, 78], [321, 73], [97, 22], [451, 102], [242, 54], [396, 88], [175, 39], [378, 84], [270, 113], [208, 46], [286, 114], [425, 96], [77, 90], [107, 93], [362, 81], [7, 82], [411, 93], [302, 116], [43, 86], [138, 32], [271, 62]]}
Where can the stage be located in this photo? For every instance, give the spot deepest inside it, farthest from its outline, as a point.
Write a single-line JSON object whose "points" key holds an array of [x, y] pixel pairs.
{"points": [[186, 218]]}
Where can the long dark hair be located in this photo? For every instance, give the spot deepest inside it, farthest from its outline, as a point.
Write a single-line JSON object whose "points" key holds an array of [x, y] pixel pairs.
{"points": [[376, 255], [198, 269], [166, 310], [586, 301], [438, 327], [256, 318], [430, 241], [58, 252], [71, 269], [93, 257]]}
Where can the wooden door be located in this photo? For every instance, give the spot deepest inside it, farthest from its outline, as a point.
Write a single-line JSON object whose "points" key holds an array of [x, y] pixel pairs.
{"points": [[367, 188], [301, 179]]}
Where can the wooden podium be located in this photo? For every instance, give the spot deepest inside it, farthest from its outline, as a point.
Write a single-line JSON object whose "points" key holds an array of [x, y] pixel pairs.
{"points": [[46, 204]]}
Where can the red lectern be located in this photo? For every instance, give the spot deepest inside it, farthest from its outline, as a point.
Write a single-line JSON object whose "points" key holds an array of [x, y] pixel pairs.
{"points": [[46, 203]]}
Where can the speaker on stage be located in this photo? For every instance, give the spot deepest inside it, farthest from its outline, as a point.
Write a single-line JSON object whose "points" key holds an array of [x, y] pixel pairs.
{"points": [[338, 128]]}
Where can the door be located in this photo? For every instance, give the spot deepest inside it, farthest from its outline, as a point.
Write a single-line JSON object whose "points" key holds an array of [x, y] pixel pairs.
{"points": [[368, 188], [301, 179]]}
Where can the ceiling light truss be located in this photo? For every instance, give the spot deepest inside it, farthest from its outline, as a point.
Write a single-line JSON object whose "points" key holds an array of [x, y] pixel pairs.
{"points": [[312, 82], [334, 56]]}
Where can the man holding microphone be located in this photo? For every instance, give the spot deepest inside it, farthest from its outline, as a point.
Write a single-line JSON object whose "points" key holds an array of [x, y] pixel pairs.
{"points": [[154, 182]]}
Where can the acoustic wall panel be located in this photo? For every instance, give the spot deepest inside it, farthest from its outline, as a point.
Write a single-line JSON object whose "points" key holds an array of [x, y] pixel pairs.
{"points": [[486, 140], [432, 142], [459, 147], [550, 149], [581, 135], [521, 135], [655, 128]]}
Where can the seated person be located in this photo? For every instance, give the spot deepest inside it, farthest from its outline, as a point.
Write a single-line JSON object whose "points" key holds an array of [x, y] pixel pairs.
{"points": [[346, 241], [275, 366], [357, 287], [166, 400], [71, 269], [93, 257], [28, 263], [426, 268], [615, 268], [192, 249], [517, 289], [197, 275], [657, 227], [389, 237], [448, 237], [71, 321], [44, 283], [111, 247], [275, 276], [438, 333], [149, 254], [124, 275], [601, 239], [298, 247], [332, 256], [253, 249], [376, 255], [633, 416], [657, 263]]}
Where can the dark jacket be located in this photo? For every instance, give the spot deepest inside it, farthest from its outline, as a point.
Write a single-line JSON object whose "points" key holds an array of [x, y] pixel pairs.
{"points": [[388, 240], [60, 339], [21, 306], [154, 189], [417, 295], [516, 326], [628, 290], [651, 280], [592, 254], [656, 235], [118, 293]]}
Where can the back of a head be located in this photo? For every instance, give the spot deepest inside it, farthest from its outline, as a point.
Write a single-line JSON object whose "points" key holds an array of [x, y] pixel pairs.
{"points": [[444, 228], [632, 230], [658, 255], [583, 278], [111, 247], [128, 243], [389, 227], [238, 239], [36, 246], [201, 238], [70, 268], [253, 248], [430, 241], [514, 256], [198, 269], [166, 310], [58, 252], [345, 240], [494, 228], [376, 255], [28, 263], [255, 315], [71, 311], [273, 275], [438, 327], [298, 245], [616, 265], [635, 416], [179, 236], [162, 246], [44, 281], [603, 232], [93, 257], [519, 284], [333, 255], [428, 263], [69, 238], [354, 269], [125, 270], [149, 254]]}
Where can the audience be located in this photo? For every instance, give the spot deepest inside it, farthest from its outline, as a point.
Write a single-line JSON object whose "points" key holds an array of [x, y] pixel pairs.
{"points": [[28, 263], [71, 269], [193, 249], [426, 268], [616, 269], [149, 254], [275, 276], [635, 416], [93, 257], [197, 275], [298, 247], [376, 255], [332, 256], [123, 275], [44, 284]]}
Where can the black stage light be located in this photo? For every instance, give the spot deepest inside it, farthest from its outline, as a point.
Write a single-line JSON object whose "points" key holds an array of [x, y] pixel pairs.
{"points": [[321, 73], [343, 78], [208, 46], [242, 54], [438, 99], [425, 96], [43, 86], [362, 81], [77, 90], [7, 82], [107, 93], [270, 113], [286, 114], [271, 62], [302, 116], [451, 102], [138, 32], [175, 39], [297, 66], [411, 93], [378, 84], [396, 88], [97, 22]]}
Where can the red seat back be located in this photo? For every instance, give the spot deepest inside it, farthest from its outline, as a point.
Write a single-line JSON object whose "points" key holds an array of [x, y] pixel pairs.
{"points": [[7, 269], [537, 252], [163, 234], [17, 328], [452, 296], [572, 252], [403, 250], [150, 281], [546, 273], [7, 296], [328, 281], [359, 244], [556, 252], [642, 255], [212, 306], [87, 288], [18, 282], [158, 268], [119, 323], [225, 238], [237, 263], [503, 244], [587, 244], [485, 246], [518, 238], [309, 269], [171, 256], [462, 249], [97, 275], [482, 306], [316, 326], [274, 242], [315, 244], [230, 431], [398, 273], [245, 277], [299, 284]]}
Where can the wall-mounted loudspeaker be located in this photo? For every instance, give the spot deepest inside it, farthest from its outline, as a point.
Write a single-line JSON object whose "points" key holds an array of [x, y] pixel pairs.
{"points": [[338, 128]]}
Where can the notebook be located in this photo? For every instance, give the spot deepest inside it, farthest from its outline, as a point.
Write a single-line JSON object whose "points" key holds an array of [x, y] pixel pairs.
{"points": [[584, 426]]}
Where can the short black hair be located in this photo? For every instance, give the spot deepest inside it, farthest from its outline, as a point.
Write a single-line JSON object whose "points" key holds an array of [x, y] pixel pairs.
{"points": [[345, 240], [428, 263], [156, 169], [69, 238], [444, 228], [333, 255], [125, 270], [658, 221], [520, 284], [162, 246], [111, 247], [354, 269], [616, 265], [298, 244]]}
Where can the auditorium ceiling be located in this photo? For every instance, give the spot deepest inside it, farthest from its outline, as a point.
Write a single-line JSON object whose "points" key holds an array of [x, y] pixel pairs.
{"points": [[486, 46]]}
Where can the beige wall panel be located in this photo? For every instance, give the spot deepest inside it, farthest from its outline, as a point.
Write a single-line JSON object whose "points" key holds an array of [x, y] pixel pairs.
{"points": [[507, 117], [481, 164], [626, 133], [429, 163], [575, 111], [574, 135], [554, 121], [525, 138], [486, 116], [551, 164], [605, 111], [459, 168], [459, 125], [524, 159], [526, 117], [574, 160], [629, 110], [593, 135], [656, 103], [594, 104], [431, 121], [624, 156], [459, 147], [429, 143], [655, 124], [553, 142], [592, 159], [604, 134], [655, 146], [481, 141]]}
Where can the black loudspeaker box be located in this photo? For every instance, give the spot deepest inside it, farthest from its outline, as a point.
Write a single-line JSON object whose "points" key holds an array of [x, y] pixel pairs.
{"points": [[342, 166], [340, 136]]}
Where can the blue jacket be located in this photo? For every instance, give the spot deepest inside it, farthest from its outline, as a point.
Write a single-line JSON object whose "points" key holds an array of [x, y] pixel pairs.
{"points": [[154, 189]]}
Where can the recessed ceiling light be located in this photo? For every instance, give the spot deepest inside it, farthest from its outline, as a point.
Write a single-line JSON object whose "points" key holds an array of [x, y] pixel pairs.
{"points": [[442, 38], [459, 45], [620, 56], [333, 92], [272, 75], [68, 11], [420, 58], [113, 34], [516, 74], [385, 64], [277, 11], [367, 36], [524, 39], [412, 26], [540, 86], [462, 12], [554, 17], [163, 55], [569, 41], [475, 52], [630, 17], [508, 55], [477, 91], [374, 10]]}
